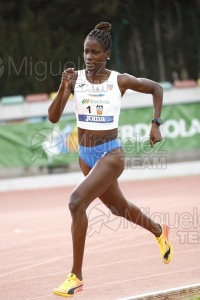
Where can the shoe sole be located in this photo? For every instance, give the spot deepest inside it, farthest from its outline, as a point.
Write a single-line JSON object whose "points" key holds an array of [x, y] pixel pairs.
{"points": [[166, 233], [57, 293]]}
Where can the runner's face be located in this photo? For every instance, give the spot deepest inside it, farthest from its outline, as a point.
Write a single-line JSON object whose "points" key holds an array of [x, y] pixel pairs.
{"points": [[94, 55]]}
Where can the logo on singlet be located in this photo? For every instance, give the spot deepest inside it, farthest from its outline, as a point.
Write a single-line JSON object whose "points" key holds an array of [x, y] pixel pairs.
{"points": [[99, 109], [95, 119]]}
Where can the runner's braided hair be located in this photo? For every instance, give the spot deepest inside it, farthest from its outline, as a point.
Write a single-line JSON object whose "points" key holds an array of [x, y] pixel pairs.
{"points": [[102, 34]]}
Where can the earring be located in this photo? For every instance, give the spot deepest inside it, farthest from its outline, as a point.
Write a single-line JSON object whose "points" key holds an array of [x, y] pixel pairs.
{"points": [[108, 58]]}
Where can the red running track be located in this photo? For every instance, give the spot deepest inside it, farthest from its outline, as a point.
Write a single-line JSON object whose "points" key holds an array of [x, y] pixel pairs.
{"points": [[121, 260]]}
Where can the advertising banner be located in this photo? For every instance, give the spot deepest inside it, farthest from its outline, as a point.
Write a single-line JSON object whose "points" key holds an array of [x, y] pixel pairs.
{"points": [[38, 144], [180, 130], [42, 144]]}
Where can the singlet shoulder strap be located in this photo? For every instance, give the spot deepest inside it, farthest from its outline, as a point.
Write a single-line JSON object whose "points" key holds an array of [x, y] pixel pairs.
{"points": [[81, 73], [113, 75]]}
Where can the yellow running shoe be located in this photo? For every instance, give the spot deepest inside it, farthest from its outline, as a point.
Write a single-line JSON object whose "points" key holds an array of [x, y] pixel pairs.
{"points": [[69, 287], [166, 248]]}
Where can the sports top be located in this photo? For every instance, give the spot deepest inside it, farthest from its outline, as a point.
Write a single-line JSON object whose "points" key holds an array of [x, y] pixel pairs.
{"points": [[97, 106]]}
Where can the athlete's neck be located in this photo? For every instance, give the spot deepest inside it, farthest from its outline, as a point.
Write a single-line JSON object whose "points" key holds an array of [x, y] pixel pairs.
{"points": [[97, 77]]}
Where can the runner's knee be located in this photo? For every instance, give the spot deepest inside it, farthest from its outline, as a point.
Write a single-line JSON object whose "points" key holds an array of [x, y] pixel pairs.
{"points": [[76, 203]]}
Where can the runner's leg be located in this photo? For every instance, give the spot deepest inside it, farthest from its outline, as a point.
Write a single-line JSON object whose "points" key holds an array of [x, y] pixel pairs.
{"points": [[98, 179], [117, 203]]}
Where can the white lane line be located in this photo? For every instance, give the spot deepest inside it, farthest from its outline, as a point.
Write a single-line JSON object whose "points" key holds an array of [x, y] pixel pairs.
{"points": [[161, 292], [32, 266], [88, 251], [141, 278], [103, 265]]}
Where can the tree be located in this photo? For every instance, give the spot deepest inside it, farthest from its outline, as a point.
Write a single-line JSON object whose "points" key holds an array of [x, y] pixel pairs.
{"points": [[151, 38]]}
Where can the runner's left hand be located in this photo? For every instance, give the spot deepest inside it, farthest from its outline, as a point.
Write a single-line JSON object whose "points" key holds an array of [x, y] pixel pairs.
{"points": [[155, 135]]}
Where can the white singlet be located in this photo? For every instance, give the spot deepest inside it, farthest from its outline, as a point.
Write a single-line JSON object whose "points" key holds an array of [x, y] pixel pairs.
{"points": [[97, 106]]}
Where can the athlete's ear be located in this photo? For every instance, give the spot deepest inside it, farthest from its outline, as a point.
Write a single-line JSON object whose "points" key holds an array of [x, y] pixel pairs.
{"points": [[108, 53]]}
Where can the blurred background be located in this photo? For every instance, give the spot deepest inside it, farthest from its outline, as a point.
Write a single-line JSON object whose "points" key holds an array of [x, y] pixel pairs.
{"points": [[157, 39]]}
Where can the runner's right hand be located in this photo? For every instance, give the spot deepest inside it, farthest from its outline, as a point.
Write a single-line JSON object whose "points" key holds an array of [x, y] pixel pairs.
{"points": [[67, 75]]}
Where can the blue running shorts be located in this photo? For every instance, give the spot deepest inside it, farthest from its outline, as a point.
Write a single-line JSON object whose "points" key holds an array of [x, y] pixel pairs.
{"points": [[90, 155]]}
